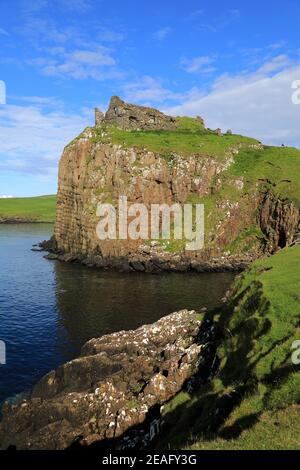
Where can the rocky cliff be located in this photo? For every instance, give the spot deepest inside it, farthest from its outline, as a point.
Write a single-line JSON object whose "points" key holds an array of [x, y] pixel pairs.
{"points": [[249, 191]]}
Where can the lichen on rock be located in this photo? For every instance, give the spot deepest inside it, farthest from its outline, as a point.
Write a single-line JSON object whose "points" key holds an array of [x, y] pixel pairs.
{"points": [[111, 393]]}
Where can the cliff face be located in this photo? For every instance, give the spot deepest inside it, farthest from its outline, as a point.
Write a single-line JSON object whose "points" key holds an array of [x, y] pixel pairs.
{"points": [[156, 160], [279, 221], [91, 172]]}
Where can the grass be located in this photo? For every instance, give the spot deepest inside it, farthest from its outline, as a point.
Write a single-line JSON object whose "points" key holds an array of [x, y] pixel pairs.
{"points": [[190, 137], [253, 402], [278, 166], [273, 169], [31, 209], [278, 430]]}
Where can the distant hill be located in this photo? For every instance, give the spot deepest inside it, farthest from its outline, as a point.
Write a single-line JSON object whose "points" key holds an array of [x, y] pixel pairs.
{"points": [[28, 209]]}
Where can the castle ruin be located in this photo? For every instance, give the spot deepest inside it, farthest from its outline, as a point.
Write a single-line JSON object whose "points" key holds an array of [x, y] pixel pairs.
{"points": [[133, 117]]}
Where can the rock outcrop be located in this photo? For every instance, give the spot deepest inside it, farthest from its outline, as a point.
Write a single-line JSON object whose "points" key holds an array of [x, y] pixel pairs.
{"points": [[113, 392], [280, 222]]}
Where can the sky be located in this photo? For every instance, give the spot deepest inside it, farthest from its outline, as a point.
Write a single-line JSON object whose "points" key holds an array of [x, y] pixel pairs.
{"points": [[232, 62]]}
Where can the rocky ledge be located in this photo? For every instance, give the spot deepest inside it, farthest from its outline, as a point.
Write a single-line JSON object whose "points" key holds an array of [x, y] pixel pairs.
{"points": [[150, 259], [113, 392]]}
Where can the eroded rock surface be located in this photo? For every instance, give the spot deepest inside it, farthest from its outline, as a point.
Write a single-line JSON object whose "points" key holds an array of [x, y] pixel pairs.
{"points": [[280, 222], [114, 390]]}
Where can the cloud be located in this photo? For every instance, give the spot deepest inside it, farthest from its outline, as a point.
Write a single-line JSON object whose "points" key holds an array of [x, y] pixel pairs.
{"points": [[161, 33], [200, 64], [257, 104], [42, 101], [69, 51], [35, 136], [274, 65], [109, 35], [277, 45], [79, 64], [149, 90], [195, 14]]}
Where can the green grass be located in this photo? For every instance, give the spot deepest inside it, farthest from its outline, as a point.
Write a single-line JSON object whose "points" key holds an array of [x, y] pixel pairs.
{"points": [[190, 137], [36, 209], [253, 403], [277, 430], [279, 166], [274, 169]]}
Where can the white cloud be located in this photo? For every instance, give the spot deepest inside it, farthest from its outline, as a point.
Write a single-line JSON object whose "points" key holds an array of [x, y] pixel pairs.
{"points": [[257, 104], [4, 196], [161, 33], [148, 89], [79, 64], [33, 137], [277, 45], [274, 65], [200, 64], [91, 58]]}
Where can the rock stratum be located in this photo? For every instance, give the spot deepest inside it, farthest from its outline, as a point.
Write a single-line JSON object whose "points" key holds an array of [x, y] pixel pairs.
{"points": [[113, 393], [249, 191]]}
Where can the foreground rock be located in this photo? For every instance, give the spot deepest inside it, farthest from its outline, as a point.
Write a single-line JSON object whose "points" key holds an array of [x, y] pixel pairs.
{"points": [[113, 392]]}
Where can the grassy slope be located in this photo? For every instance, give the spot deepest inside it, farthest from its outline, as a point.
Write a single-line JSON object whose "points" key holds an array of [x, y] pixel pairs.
{"points": [[272, 168], [40, 209], [254, 401]]}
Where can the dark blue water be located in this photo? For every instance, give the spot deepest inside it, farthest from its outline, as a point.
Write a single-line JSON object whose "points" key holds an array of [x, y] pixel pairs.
{"points": [[48, 309]]}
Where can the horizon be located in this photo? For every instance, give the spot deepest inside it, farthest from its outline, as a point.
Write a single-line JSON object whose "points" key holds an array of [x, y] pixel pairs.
{"points": [[224, 62]]}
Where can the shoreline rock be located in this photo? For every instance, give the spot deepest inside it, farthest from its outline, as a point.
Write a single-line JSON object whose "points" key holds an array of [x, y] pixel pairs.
{"points": [[22, 220], [150, 260], [112, 393]]}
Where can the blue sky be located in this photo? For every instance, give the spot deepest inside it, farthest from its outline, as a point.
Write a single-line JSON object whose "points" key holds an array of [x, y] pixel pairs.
{"points": [[233, 62]]}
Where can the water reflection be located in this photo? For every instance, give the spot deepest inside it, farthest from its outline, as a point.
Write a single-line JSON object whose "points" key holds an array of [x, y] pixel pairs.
{"points": [[92, 303], [49, 309]]}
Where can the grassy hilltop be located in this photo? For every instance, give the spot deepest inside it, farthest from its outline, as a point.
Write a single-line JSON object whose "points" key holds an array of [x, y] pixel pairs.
{"points": [[28, 209]]}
